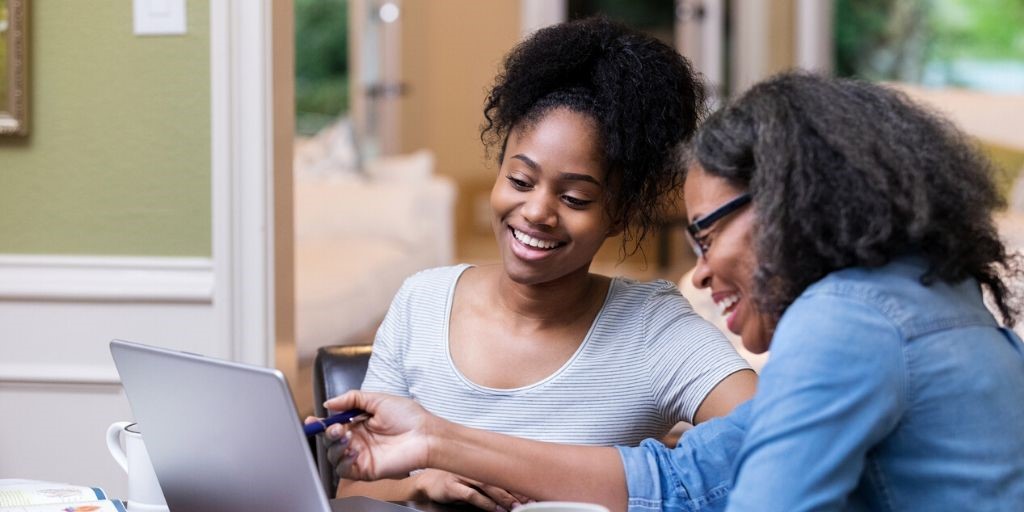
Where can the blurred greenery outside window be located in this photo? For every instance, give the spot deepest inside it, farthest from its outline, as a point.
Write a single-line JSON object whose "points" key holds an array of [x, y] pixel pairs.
{"points": [[653, 17], [321, 63], [968, 44], [973, 44]]}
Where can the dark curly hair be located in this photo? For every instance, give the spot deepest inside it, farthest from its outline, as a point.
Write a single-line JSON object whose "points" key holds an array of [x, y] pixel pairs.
{"points": [[845, 173], [643, 95]]}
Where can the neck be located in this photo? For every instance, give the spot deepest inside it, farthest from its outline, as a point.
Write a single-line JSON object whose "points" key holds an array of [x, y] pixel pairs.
{"points": [[553, 302]]}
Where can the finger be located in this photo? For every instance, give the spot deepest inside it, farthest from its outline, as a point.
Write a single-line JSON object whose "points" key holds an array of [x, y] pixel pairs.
{"points": [[500, 496], [523, 500], [336, 432], [473, 496], [310, 419], [354, 399], [348, 466], [336, 448]]}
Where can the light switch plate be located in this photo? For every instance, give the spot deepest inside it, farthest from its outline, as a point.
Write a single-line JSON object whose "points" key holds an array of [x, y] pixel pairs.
{"points": [[158, 17]]}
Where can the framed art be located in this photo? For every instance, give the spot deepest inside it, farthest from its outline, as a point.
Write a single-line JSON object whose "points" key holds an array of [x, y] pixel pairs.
{"points": [[14, 67]]}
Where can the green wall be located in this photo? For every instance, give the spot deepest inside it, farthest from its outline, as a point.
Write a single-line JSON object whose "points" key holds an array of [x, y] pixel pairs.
{"points": [[118, 159]]}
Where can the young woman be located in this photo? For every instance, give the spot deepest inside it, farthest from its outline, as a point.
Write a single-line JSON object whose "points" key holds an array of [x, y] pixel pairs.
{"points": [[588, 119], [850, 231]]}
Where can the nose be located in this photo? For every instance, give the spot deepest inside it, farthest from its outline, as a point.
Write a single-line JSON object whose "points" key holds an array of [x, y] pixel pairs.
{"points": [[540, 209], [701, 274]]}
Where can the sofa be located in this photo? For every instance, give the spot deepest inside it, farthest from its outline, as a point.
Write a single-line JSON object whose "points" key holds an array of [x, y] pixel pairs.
{"points": [[360, 231]]}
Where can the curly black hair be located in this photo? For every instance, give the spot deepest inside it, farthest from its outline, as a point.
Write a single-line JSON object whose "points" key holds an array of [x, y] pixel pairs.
{"points": [[644, 96], [846, 173]]}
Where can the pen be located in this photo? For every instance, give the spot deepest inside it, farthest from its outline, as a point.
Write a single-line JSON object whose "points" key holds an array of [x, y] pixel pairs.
{"points": [[349, 416]]}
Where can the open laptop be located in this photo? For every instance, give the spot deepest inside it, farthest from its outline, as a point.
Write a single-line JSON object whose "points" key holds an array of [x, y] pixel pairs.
{"points": [[224, 436]]}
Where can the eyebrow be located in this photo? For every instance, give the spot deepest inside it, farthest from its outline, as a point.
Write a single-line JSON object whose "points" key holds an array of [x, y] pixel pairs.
{"points": [[565, 176]]}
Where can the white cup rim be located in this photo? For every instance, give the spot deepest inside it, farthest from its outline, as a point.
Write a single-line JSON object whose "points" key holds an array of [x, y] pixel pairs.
{"points": [[577, 506], [138, 506]]}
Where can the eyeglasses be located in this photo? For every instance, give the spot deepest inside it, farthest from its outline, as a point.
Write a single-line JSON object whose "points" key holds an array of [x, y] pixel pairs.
{"points": [[699, 243]]}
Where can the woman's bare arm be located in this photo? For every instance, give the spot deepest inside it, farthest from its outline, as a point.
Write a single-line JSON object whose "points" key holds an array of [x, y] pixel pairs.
{"points": [[726, 395], [544, 471], [402, 436]]}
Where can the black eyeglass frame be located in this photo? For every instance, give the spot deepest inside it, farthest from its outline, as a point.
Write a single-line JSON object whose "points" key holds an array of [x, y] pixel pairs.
{"points": [[709, 220]]}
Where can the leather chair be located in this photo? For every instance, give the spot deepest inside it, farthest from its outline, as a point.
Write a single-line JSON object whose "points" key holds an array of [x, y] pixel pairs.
{"points": [[336, 370]]}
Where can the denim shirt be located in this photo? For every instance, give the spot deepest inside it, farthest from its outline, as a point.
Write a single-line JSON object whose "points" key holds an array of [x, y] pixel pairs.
{"points": [[880, 394]]}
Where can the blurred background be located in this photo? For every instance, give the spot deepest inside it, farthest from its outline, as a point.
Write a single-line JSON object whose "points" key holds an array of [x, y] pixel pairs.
{"points": [[407, 75], [255, 180], [389, 96]]}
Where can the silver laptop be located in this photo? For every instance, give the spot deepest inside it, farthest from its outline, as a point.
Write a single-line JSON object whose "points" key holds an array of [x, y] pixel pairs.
{"points": [[224, 436]]}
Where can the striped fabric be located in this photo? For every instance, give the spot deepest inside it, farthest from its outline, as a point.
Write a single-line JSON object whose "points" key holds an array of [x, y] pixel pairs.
{"points": [[647, 363]]}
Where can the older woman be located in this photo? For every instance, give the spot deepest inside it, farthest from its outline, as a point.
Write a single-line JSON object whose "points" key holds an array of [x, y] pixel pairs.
{"points": [[850, 231]]}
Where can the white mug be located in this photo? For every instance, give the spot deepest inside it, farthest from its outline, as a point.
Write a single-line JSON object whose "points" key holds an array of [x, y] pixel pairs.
{"points": [[144, 493], [560, 506]]}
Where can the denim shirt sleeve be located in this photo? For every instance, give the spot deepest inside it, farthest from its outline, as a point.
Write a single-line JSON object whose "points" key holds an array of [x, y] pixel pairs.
{"points": [[695, 475], [834, 387]]}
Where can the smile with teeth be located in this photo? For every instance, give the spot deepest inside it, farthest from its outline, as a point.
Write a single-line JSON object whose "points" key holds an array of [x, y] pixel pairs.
{"points": [[725, 305], [533, 242]]}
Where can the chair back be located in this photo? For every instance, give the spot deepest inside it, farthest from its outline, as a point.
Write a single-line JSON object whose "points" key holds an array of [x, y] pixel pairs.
{"points": [[336, 370]]}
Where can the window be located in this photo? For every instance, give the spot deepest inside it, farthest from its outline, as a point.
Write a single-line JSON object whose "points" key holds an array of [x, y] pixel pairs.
{"points": [[321, 63], [974, 44]]}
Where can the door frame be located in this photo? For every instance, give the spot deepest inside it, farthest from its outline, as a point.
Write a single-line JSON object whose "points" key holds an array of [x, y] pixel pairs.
{"points": [[251, 176]]}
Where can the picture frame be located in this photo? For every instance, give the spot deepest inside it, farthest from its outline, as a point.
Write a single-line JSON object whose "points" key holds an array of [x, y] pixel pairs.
{"points": [[14, 93]]}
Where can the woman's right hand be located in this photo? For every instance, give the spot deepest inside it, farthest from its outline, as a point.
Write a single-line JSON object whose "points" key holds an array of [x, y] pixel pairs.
{"points": [[390, 444], [444, 487]]}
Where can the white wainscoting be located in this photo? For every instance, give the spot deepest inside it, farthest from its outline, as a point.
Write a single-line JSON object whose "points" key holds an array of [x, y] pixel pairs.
{"points": [[58, 385]]}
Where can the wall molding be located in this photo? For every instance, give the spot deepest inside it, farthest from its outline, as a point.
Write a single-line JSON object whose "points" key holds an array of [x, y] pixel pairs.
{"points": [[58, 374], [106, 279], [242, 169]]}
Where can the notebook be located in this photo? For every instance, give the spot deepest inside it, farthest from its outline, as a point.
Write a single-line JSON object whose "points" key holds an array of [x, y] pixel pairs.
{"points": [[224, 435]]}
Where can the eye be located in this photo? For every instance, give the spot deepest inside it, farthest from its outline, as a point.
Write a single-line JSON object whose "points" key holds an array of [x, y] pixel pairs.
{"points": [[575, 202], [517, 183], [704, 241]]}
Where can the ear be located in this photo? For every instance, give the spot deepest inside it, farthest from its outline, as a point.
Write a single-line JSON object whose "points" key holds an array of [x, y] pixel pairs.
{"points": [[614, 230]]}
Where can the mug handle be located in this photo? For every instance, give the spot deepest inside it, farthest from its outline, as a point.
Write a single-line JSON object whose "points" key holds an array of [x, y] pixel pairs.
{"points": [[114, 443]]}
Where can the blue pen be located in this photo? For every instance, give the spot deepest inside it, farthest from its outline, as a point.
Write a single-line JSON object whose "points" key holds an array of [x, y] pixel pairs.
{"points": [[349, 416]]}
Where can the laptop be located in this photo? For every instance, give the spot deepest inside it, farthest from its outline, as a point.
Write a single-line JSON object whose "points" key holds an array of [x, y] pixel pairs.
{"points": [[224, 436]]}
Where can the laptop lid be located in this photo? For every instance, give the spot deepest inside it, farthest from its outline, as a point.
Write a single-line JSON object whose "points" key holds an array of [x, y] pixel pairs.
{"points": [[221, 435]]}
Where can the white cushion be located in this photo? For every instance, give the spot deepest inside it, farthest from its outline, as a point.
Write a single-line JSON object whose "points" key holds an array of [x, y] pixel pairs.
{"points": [[329, 209], [344, 286], [330, 153], [417, 166]]}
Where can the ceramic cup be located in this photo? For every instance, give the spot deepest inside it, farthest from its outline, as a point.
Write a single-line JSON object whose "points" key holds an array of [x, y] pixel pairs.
{"points": [[560, 506], [144, 493]]}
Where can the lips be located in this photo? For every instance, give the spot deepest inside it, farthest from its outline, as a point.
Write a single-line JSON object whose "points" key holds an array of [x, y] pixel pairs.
{"points": [[536, 242], [728, 305], [532, 247]]}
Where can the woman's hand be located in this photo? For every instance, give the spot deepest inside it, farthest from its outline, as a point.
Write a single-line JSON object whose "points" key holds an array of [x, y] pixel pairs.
{"points": [[445, 487], [390, 444]]}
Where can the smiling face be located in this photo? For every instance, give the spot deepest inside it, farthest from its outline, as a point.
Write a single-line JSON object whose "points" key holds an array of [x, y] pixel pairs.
{"points": [[550, 214], [728, 266]]}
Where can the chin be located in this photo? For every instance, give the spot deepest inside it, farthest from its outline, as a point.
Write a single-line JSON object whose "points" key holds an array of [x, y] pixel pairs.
{"points": [[755, 339], [521, 274], [755, 348]]}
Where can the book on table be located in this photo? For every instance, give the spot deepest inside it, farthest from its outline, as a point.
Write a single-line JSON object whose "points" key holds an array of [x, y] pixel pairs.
{"points": [[37, 496]]}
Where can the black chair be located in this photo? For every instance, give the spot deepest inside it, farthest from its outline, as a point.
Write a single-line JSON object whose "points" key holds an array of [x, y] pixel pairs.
{"points": [[336, 370]]}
